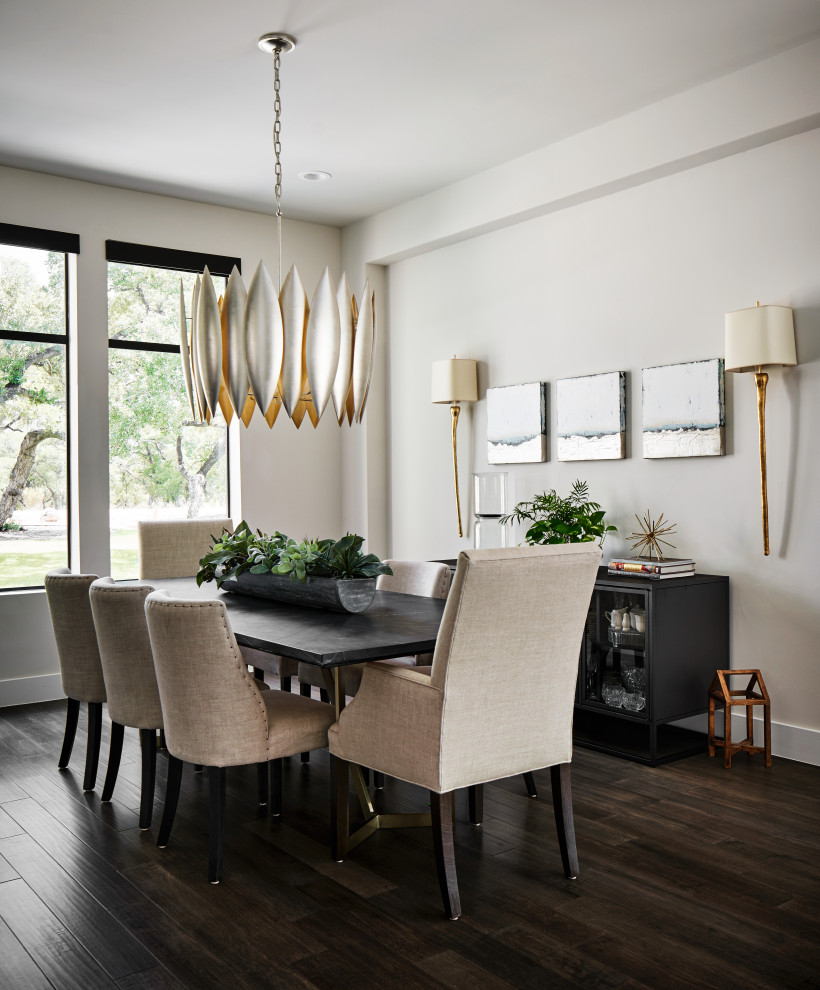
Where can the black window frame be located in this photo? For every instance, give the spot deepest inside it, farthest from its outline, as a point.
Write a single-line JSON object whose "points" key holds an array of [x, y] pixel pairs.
{"points": [[56, 242]]}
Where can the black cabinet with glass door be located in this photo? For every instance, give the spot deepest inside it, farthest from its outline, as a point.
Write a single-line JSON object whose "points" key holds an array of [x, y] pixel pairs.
{"points": [[649, 653]]}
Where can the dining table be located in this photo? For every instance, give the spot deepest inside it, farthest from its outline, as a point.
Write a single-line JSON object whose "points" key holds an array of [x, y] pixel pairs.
{"points": [[394, 625]]}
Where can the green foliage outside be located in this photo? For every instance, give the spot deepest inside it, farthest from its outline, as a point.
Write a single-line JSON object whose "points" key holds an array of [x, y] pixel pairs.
{"points": [[159, 455], [242, 550], [573, 519]]}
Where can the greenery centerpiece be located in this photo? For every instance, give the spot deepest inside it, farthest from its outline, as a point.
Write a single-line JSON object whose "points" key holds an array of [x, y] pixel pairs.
{"points": [[574, 519], [326, 573]]}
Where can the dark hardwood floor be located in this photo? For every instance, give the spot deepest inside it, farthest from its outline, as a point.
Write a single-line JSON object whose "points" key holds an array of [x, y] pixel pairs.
{"points": [[691, 876]]}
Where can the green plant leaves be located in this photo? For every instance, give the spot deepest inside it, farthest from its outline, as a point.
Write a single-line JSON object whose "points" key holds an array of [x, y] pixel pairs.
{"points": [[554, 519], [279, 554]]}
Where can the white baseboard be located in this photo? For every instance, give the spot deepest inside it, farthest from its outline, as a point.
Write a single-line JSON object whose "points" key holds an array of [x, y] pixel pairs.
{"points": [[789, 741], [30, 690]]}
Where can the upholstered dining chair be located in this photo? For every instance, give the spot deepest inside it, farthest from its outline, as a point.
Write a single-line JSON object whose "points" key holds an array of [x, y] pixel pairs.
{"points": [[170, 548], [80, 666], [214, 712], [497, 702], [130, 681]]}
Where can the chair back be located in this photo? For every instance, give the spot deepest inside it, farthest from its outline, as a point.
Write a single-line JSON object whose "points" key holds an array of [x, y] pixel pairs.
{"points": [[506, 659], [125, 652], [74, 633], [212, 709], [416, 577], [170, 548]]}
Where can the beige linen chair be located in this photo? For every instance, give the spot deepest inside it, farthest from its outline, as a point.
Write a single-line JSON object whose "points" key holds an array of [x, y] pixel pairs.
{"points": [[80, 665], [130, 681], [214, 712], [498, 700], [170, 548]]}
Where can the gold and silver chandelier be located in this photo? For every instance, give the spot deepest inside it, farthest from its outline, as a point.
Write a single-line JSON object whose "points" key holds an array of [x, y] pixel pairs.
{"points": [[266, 347]]}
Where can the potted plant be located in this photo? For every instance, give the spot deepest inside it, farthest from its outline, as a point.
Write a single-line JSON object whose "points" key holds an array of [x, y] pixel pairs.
{"points": [[328, 573], [574, 519]]}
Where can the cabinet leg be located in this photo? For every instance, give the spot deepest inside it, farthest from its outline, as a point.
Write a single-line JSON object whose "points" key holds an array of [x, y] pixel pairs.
{"points": [[710, 736], [767, 733]]}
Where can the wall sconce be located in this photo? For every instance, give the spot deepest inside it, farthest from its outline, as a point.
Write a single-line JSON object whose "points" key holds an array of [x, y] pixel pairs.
{"points": [[455, 381], [758, 338]]}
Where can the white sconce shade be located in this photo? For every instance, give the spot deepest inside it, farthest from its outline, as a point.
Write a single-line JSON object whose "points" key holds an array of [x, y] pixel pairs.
{"points": [[455, 380], [758, 337]]}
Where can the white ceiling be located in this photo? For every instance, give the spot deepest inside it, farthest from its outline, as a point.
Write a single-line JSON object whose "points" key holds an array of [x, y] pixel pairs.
{"points": [[393, 97]]}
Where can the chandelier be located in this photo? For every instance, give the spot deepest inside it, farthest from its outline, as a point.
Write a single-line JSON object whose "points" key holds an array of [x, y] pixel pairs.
{"points": [[266, 347]]}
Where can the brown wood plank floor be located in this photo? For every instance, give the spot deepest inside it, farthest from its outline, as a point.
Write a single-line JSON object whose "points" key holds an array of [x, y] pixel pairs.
{"points": [[691, 876]]}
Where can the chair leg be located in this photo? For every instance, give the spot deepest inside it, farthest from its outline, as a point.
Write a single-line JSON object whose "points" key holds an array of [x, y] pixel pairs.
{"points": [[475, 800], [72, 716], [285, 684], [114, 756], [564, 823], [172, 785], [262, 781], [378, 779], [339, 808], [92, 754], [324, 696], [216, 827], [148, 744], [162, 744], [305, 691], [276, 787], [441, 806], [529, 783]]}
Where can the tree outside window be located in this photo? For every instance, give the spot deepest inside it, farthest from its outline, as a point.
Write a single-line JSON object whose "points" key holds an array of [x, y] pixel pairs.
{"points": [[163, 465], [33, 447]]}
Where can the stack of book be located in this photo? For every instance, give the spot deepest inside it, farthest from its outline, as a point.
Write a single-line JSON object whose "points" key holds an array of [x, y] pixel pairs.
{"points": [[655, 570]]}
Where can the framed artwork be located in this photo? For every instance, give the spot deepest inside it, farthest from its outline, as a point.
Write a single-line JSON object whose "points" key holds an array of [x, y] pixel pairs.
{"points": [[683, 410], [590, 415], [517, 423]]}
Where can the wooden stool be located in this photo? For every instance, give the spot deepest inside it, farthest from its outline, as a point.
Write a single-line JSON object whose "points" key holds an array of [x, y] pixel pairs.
{"points": [[719, 693]]}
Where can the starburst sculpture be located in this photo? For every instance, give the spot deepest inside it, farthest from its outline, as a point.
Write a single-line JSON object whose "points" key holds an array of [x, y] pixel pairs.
{"points": [[649, 538]]}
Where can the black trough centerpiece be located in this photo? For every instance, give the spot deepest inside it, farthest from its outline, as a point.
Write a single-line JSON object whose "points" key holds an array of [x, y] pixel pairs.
{"points": [[332, 574]]}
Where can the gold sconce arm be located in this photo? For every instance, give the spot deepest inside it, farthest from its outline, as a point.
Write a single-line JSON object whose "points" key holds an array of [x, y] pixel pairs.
{"points": [[454, 411], [761, 378]]}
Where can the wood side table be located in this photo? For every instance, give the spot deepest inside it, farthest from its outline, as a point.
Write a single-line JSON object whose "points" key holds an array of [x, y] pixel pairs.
{"points": [[754, 694]]}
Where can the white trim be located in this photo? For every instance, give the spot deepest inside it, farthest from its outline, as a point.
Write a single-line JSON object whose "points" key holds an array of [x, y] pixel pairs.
{"points": [[791, 742], [30, 690]]}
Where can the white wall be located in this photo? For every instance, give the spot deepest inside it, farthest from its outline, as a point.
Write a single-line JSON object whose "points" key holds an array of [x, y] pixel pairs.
{"points": [[289, 480], [632, 267]]}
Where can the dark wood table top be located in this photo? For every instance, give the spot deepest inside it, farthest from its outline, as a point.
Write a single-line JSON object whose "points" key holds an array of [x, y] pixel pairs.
{"points": [[395, 625]]}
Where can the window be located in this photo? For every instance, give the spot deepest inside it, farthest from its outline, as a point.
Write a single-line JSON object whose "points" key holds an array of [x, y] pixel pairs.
{"points": [[162, 464], [34, 477]]}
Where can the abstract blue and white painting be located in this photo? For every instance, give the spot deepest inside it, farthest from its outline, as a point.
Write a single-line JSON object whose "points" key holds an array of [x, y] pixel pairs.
{"points": [[683, 411], [590, 415], [517, 423]]}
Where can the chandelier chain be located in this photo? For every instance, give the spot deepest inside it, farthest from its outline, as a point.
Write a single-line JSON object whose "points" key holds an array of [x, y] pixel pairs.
{"points": [[277, 152]]}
